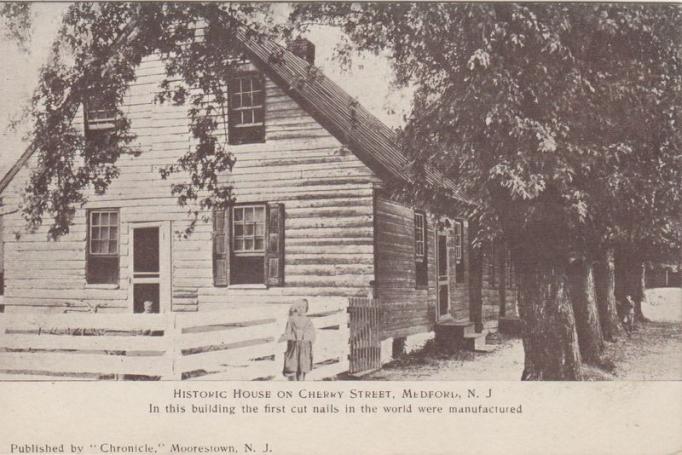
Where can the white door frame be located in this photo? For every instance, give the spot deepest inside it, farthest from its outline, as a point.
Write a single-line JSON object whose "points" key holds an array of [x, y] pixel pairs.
{"points": [[165, 258]]}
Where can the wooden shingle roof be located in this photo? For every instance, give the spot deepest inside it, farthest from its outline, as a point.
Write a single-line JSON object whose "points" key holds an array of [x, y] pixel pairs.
{"points": [[342, 115]]}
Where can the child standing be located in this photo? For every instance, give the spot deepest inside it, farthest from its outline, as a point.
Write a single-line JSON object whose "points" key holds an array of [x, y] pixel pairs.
{"points": [[628, 314], [299, 335]]}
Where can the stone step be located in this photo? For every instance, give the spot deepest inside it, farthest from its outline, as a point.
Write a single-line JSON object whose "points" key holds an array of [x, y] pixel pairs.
{"points": [[450, 335], [473, 341]]}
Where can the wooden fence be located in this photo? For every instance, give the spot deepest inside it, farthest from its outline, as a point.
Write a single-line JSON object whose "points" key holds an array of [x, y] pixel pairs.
{"points": [[236, 344], [365, 335]]}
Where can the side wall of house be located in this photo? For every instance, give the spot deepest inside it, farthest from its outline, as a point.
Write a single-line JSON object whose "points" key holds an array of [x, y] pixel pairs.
{"points": [[490, 292], [409, 309], [327, 194]]}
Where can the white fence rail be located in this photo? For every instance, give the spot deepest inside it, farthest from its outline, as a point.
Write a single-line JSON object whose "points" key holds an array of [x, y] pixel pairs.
{"points": [[235, 344]]}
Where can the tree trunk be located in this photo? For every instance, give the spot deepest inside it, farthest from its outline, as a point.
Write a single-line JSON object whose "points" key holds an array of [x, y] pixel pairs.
{"points": [[581, 292], [550, 340], [502, 288], [605, 282]]}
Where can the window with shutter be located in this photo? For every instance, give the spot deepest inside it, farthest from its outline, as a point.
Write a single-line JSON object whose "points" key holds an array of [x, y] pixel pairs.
{"points": [[420, 250], [458, 241], [221, 258], [248, 245], [274, 257], [459, 251]]}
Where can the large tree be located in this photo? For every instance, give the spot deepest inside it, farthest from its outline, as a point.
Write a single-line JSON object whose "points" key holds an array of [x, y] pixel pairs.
{"points": [[549, 115]]}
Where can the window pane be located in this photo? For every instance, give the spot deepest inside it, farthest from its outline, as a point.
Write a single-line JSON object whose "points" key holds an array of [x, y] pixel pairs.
{"points": [[113, 233], [96, 246], [255, 83], [258, 116], [238, 230], [95, 218], [113, 246], [113, 218], [237, 100], [238, 214], [258, 99], [238, 244], [249, 229], [259, 243], [260, 229], [248, 244], [95, 233], [248, 99], [104, 218], [248, 214]]}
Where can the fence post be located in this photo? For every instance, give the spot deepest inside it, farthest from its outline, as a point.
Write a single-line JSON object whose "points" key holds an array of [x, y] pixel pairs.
{"points": [[172, 335]]}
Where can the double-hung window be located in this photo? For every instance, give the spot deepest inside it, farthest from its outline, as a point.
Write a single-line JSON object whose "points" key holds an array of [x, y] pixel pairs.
{"points": [[458, 229], [103, 247], [420, 250], [246, 117], [100, 120], [249, 245]]}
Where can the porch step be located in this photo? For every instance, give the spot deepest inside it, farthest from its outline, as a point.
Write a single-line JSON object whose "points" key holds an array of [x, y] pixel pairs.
{"points": [[476, 342], [485, 348], [450, 334]]}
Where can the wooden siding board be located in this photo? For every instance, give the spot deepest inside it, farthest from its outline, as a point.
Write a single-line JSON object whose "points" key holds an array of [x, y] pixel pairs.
{"points": [[327, 195]]}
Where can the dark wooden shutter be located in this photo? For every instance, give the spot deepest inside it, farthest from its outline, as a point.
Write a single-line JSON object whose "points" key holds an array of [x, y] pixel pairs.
{"points": [[274, 250], [221, 251]]}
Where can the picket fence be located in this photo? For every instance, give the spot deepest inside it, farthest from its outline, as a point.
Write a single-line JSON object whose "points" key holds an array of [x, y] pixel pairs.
{"points": [[234, 344]]}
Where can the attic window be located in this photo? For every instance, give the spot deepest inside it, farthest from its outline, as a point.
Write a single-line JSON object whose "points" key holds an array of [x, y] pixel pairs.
{"points": [[246, 109], [99, 115], [100, 120]]}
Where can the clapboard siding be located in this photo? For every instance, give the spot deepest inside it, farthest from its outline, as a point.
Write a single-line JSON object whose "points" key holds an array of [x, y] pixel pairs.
{"points": [[326, 190], [411, 310], [408, 310]]}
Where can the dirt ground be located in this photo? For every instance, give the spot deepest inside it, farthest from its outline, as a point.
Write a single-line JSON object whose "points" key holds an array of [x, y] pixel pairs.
{"points": [[652, 352]]}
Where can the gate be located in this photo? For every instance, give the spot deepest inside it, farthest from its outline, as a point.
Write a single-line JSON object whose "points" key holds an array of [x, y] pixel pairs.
{"points": [[365, 335]]}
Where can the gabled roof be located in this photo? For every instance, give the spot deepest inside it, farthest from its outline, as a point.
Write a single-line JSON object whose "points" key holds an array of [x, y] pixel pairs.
{"points": [[370, 139]]}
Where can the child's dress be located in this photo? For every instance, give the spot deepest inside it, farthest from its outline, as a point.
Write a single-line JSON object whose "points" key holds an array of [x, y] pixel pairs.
{"points": [[300, 334]]}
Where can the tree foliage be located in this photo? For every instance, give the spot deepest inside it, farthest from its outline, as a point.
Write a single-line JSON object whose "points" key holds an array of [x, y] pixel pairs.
{"points": [[96, 52], [15, 23], [562, 120]]}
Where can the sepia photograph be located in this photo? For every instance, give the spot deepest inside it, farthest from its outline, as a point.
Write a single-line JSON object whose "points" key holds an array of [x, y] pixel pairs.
{"points": [[334, 191]]}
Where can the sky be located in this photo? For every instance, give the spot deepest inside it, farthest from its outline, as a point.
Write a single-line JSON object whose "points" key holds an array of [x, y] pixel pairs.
{"points": [[369, 80]]}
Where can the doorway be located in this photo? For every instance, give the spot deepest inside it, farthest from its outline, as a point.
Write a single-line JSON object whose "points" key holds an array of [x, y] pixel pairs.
{"points": [[150, 277]]}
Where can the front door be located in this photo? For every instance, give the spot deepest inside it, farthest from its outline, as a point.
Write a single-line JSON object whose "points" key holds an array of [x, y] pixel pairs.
{"points": [[443, 276], [150, 277]]}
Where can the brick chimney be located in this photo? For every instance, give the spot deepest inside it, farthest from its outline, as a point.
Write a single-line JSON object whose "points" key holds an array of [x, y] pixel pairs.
{"points": [[303, 48]]}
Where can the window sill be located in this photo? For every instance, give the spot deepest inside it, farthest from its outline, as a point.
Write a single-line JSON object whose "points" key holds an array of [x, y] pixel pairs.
{"points": [[247, 286], [102, 286]]}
